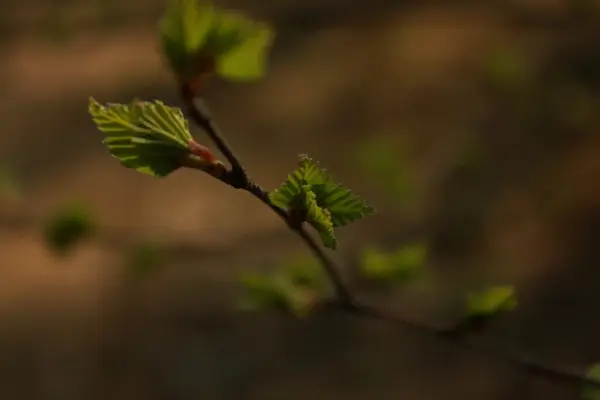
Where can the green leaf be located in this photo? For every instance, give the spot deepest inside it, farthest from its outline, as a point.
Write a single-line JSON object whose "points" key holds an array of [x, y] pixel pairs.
{"points": [[590, 391], [317, 217], [307, 272], [491, 301], [67, 227], [308, 173], [296, 289], [276, 292], [149, 137], [335, 204], [248, 60], [198, 38], [343, 205], [401, 265], [184, 28]]}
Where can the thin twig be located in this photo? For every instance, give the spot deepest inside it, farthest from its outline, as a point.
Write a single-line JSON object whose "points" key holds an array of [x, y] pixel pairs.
{"points": [[458, 336], [238, 178]]}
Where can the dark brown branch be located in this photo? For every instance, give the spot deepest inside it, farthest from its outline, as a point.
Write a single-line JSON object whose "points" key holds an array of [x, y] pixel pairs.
{"points": [[238, 178], [458, 335]]}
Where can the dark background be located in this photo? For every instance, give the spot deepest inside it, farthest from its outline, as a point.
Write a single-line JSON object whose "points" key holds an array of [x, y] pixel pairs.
{"points": [[487, 109]]}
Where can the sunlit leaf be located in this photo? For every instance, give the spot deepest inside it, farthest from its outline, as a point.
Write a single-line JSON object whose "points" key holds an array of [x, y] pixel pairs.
{"points": [[317, 217], [343, 205], [149, 137], [307, 173], [310, 191]]}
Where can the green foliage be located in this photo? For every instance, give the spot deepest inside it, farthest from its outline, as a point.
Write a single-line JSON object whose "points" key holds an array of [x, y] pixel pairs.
{"points": [[295, 288], [144, 259], [149, 137], [592, 392], [310, 192], [67, 227], [398, 266], [491, 301], [197, 38], [384, 166]]}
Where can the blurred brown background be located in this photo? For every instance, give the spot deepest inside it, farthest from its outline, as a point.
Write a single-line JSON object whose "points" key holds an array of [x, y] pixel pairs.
{"points": [[487, 108]]}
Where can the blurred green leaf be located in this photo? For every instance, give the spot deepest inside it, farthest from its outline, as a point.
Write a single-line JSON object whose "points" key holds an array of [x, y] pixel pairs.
{"points": [[296, 287], [399, 266], [491, 301], [307, 272], [592, 392], [144, 259], [149, 137], [385, 167], [67, 227], [198, 38]]}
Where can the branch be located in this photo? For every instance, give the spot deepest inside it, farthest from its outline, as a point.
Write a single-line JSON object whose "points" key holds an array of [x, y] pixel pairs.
{"points": [[238, 178], [457, 335]]}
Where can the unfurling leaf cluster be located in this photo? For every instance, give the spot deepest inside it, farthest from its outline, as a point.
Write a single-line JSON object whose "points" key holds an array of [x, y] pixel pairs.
{"points": [[310, 194]]}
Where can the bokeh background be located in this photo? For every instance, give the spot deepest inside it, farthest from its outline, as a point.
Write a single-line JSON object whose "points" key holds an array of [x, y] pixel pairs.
{"points": [[471, 126]]}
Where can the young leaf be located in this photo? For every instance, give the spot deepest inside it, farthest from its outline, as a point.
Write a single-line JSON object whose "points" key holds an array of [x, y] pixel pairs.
{"points": [[261, 292], [317, 217], [491, 301], [149, 137], [311, 185], [308, 173], [343, 205], [398, 266], [197, 38], [592, 392], [248, 60], [67, 227]]}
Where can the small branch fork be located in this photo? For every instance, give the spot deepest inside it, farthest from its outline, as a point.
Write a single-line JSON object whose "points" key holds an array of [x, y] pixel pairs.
{"points": [[238, 178]]}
